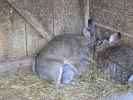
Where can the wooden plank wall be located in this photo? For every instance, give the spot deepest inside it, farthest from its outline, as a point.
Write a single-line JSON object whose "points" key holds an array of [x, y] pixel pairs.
{"points": [[27, 25]]}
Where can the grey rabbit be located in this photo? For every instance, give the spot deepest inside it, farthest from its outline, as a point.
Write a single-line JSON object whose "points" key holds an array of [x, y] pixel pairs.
{"points": [[58, 59], [116, 63], [113, 58]]}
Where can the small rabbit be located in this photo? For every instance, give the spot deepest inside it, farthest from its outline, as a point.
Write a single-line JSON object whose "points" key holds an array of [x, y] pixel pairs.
{"points": [[56, 61], [116, 63]]}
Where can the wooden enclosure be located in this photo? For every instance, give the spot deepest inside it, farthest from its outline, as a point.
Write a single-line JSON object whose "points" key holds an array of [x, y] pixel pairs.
{"points": [[27, 25]]}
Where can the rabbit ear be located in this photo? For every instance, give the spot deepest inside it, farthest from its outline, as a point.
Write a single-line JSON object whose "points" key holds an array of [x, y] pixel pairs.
{"points": [[89, 31], [119, 35], [91, 21], [91, 26]]}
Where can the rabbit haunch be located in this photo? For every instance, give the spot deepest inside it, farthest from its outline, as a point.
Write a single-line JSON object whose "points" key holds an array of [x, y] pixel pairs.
{"points": [[57, 60], [60, 59]]}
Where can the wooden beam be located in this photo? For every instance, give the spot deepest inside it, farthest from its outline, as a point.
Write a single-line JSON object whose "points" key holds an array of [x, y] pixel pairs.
{"points": [[31, 20]]}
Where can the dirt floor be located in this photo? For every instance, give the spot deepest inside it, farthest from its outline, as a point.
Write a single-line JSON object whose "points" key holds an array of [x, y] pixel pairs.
{"points": [[30, 87]]}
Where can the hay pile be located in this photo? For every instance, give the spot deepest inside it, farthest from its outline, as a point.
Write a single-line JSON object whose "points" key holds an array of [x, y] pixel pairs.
{"points": [[30, 87]]}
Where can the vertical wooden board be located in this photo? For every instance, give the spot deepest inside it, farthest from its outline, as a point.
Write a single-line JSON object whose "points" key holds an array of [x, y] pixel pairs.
{"points": [[3, 46], [34, 42], [58, 24], [58, 17], [67, 17], [4, 25], [43, 11], [12, 29], [110, 5], [129, 24], [117, 6], [16, 38], [40, 13], [85, 5], [116, 21], [73, 24], [73, 19], [109, 12], [129, 16]]}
